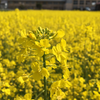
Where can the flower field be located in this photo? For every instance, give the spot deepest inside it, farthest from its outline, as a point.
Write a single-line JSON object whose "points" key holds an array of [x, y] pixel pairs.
{"points": [[49, 55]]}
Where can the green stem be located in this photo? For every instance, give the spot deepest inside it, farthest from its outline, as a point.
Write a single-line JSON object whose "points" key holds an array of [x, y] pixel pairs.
{"points": [[39, 95], [45, 81], [35, 90]]}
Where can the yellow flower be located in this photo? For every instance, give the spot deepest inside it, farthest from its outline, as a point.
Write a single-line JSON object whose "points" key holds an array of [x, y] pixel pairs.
{"points": [[65, 84], [42, 46], [56, 92], [57, 51], [0, 54], [44, 43], [20, 58], [98, 85], [32, 36], [13, 63], [40, 98], [28, 96], [66, 73], [37, 72], [96, 94], [20, 79], [45, 72], [63, 44], [1, 69], [23, 33], [6, 84], [60, 34], [36, 76], [6, 91], [60, 94]]}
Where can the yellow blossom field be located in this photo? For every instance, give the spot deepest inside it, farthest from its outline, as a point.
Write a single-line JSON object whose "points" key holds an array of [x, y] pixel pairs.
{"points": [[49, 55]]}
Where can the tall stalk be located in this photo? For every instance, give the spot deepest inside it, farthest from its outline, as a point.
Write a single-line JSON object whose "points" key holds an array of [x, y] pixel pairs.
{"points": [[45, 81]]}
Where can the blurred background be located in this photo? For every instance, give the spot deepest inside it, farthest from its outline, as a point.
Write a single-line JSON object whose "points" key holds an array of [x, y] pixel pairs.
{"points": [[51, 4]]}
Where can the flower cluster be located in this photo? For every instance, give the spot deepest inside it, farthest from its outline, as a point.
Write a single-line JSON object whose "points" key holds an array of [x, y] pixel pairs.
{"points": [[61, 62]]}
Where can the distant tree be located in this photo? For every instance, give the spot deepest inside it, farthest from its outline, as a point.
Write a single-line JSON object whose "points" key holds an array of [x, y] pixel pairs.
{"points": [[39, 6], [21, 6]]}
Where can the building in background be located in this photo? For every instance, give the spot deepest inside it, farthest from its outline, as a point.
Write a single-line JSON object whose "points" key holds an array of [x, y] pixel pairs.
{"points": [[37, 4], [3, 4], [52, 4], [97, 7], [82, 4]]}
